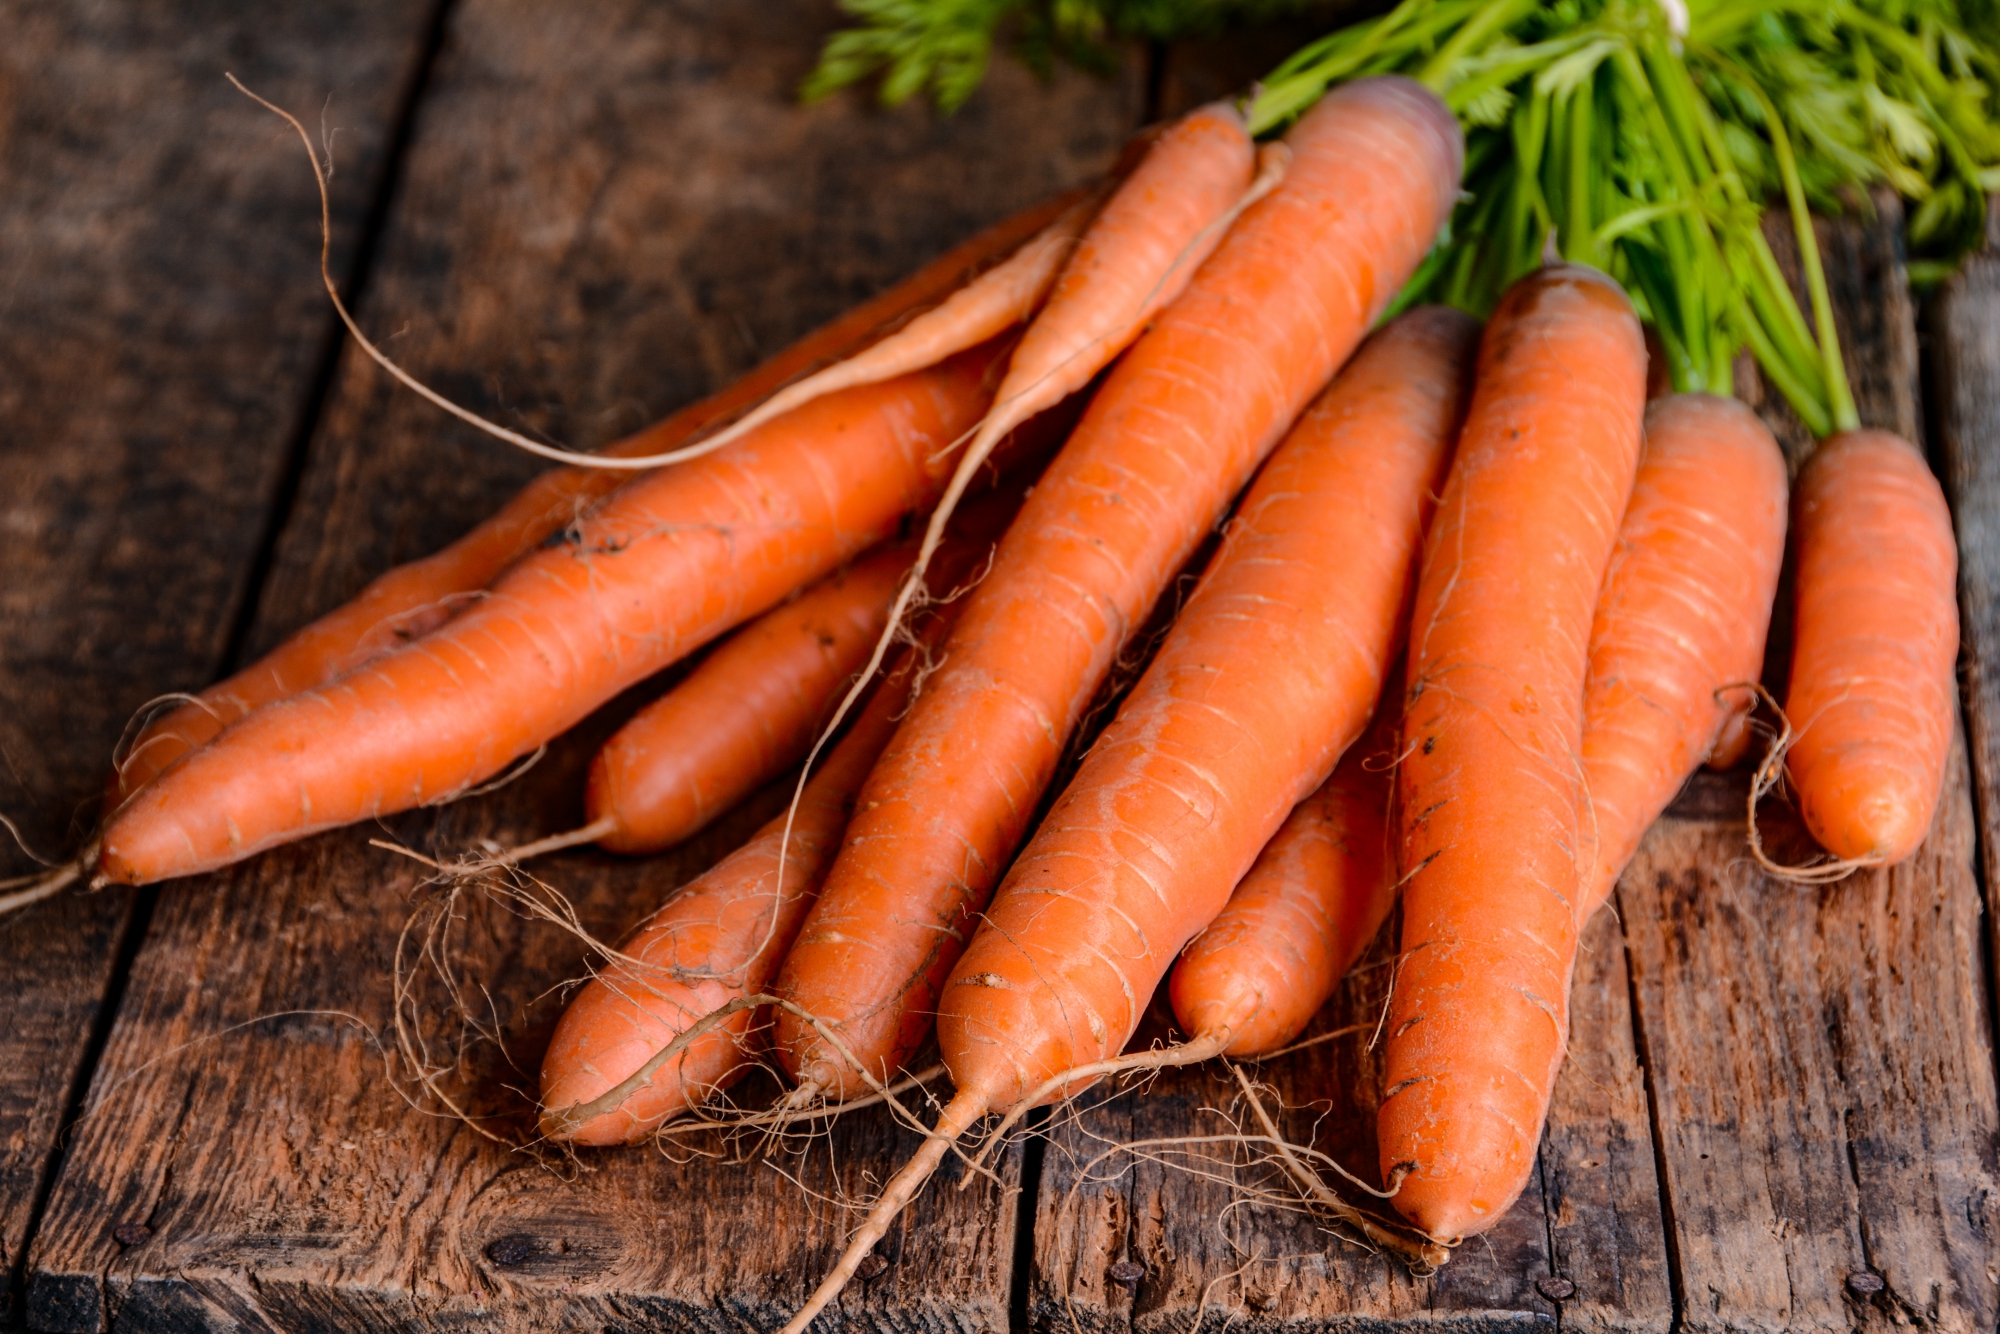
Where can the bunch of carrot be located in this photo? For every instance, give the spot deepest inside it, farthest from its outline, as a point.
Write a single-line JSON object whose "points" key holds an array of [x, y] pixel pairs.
{"points": [[1478, 613]]}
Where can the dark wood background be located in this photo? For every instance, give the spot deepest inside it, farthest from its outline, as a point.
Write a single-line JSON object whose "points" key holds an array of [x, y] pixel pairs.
{"points": [[1780, 1108]]}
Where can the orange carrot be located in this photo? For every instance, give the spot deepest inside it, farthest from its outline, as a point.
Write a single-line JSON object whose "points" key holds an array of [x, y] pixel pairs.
{"points": [[1314, 899], [1874, 645], [1311, 902], [1683, 613], [1489, 788], [716, 940], [1175, 430], [668, 563], [411, 600]]}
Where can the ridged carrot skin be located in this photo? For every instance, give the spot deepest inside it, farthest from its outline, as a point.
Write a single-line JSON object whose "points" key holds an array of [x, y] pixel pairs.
{"points": [[411, 600], [1312, 902], [718, 938], [1271, 672], [1873, 693], [1685, 609], [754, 706], [1489, 788], [666, 564], [1174, 432]]}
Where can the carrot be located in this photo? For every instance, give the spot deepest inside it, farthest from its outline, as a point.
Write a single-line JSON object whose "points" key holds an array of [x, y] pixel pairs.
{"points": [[1683, 613], [411, 600], [716, 940], [1872, 694], [754, 706], [669, 562], [1178, 425], [1175, 430], [1489, 788], [1296, 923], [1270, 674]]}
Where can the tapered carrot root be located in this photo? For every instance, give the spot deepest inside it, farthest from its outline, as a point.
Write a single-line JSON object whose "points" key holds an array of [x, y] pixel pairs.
{"points": [[718, 939], [410, 600], [1489, 787], [1294, 925], [1173, 433], [1684, 612], [671, 561], [1874, 644]]}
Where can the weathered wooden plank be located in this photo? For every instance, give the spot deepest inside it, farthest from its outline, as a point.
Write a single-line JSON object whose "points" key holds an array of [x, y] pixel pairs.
{"points": [[1823, 1077], [1962, 328], [1821, 1059], [608, 208], [1607, 1237], [162, 335]]}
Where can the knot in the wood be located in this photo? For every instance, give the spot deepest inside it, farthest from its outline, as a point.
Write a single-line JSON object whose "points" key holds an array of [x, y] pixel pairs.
{"points": [[510, 1251], [871, 1266], [1555, 1288], [132, 1234], [1126, 1273], [1863, 1283]]}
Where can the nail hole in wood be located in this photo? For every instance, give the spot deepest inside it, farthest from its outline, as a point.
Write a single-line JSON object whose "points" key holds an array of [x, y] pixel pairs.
{"points": [[510, 1251]]}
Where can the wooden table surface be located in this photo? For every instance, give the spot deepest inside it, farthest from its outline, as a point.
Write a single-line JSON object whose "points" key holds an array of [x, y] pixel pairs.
{"points": [[1779, 1110]]}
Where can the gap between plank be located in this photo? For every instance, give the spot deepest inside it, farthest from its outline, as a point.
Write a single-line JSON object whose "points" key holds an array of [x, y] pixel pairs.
{"points": [[137, 921], [1669, 1225], [1026, 1205]]}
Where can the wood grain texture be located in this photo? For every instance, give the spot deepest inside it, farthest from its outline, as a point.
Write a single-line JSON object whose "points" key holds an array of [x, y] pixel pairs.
{"points": [[161, 337], [1962, 338], [1823, 1075], [1821, 1059], [607, 209]]}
